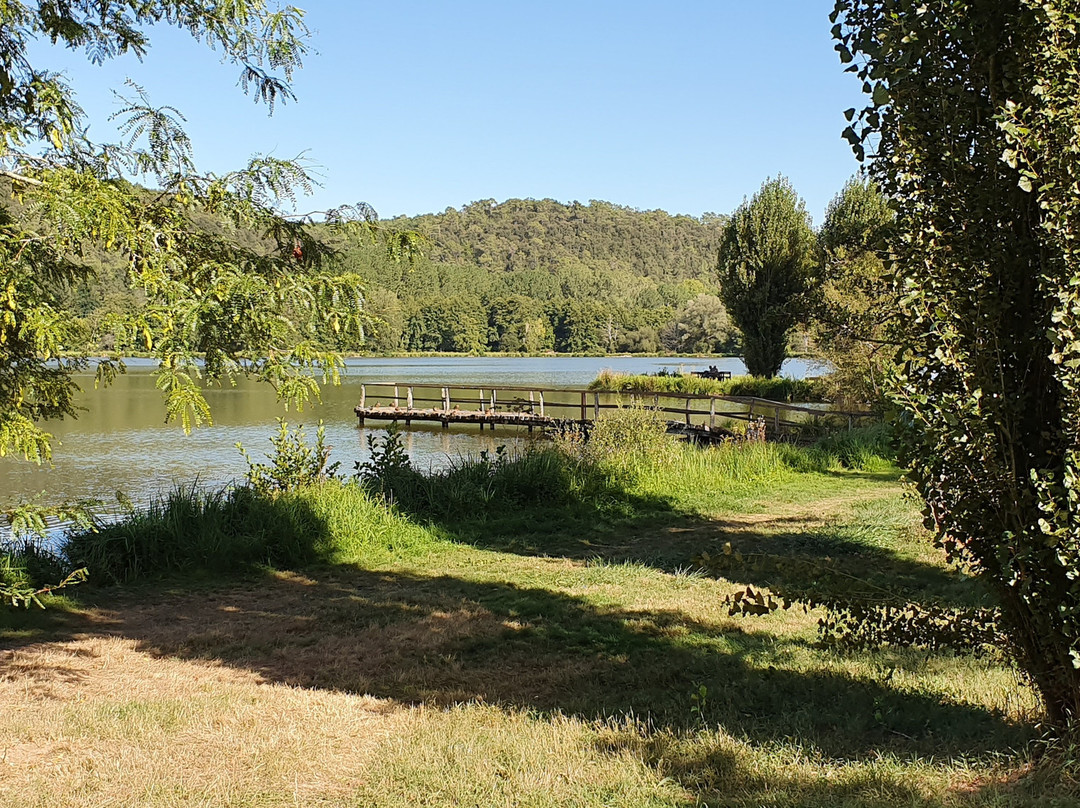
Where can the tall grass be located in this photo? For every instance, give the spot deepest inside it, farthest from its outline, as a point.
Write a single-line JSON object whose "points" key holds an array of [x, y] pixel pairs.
{"points": [[870, 448], [231, 529], [777, 389], [630, 468]]}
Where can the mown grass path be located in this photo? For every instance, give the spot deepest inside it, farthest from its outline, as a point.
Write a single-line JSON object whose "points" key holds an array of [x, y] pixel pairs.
{"points": [[522, 658]]}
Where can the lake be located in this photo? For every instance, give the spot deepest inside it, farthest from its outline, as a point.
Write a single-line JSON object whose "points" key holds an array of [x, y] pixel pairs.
{"points": [[121, 441]]}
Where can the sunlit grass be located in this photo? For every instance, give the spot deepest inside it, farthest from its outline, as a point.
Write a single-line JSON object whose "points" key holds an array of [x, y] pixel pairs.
{"points": [[777, 389], [525, 652]]}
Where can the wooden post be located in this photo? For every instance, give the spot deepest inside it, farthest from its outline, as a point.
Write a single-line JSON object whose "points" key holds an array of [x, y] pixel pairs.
{"points": [[541, 403], [481, 407], [850, 423], [596, 406], [583, 406], [363, 395], [493, 408], [408, 398], [712, 413], [688, 410], [396, 403]]}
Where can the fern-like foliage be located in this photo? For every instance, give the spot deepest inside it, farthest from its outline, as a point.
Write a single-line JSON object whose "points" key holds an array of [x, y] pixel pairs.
{"points": [[222, 280]]}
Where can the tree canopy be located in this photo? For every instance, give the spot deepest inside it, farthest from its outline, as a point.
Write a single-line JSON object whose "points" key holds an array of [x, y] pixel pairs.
{"points": [[766, 260], [855, 311], [972, 134], [213, 305]]}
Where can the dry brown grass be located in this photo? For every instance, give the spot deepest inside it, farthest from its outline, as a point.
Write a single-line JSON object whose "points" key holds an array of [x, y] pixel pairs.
{"points": [[102, 719], [94, 721], [482, 678]]}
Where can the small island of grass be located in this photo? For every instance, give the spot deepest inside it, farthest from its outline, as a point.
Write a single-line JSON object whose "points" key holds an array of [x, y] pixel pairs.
{"points": [[776, 389]]}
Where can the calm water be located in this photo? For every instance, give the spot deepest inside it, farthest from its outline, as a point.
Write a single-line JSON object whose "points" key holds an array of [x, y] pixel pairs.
{"points": [[122, 443]]}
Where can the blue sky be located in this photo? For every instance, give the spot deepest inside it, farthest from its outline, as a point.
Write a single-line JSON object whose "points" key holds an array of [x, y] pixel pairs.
{"points": [[416, 106]]}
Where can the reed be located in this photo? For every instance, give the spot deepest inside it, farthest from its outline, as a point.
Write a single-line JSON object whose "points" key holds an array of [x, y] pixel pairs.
{"points": [[778, 389]]}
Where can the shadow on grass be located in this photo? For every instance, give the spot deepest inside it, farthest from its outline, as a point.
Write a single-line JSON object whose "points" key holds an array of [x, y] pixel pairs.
{"points": [[440, 639], [443, 640], [790, 553]]}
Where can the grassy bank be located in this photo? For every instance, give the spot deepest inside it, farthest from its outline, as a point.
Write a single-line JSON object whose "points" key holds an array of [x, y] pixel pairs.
{"points": [[777, 389], [511, 631]]}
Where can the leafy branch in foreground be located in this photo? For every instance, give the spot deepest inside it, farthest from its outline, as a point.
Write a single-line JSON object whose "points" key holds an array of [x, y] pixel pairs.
{"points": [[228, 283], [27, 523], [858, 614], [22, 594]]}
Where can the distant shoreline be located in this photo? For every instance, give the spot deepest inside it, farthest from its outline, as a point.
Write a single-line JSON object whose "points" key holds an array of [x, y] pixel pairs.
{"points": [[452, 354]]}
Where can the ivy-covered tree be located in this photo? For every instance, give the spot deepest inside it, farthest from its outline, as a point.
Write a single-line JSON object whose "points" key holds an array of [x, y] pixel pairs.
{"points": [[212, 305], [855, 313], [766, 260], [972, 133]]}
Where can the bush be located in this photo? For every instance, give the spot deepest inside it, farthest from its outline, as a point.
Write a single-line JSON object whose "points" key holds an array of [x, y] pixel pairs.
{"points": [[470, 485], [293, 464], [775, 389], [629, 436]]}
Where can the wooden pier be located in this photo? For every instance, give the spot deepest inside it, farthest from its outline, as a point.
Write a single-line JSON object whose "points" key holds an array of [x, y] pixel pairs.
{"points": [[699, 416]]}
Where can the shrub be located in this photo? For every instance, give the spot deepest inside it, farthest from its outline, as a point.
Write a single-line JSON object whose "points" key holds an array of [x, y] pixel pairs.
{"points": [[293, 464], [775, 389], [629, 436]]}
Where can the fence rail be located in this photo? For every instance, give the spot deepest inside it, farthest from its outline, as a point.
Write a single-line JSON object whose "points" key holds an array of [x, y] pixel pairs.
{"points": [[539, 406]]}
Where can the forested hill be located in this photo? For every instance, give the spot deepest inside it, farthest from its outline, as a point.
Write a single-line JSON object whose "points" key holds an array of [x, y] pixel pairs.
{"points": [[535, 275], [529, 234], [521, 276]]}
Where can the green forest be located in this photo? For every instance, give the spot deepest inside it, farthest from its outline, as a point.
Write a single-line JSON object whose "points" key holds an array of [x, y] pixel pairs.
{"points": [[523, 275]]}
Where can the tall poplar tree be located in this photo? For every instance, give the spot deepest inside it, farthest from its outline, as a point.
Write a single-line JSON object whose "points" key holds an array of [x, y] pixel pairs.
{"points": [[973, 133], [765, 262]]}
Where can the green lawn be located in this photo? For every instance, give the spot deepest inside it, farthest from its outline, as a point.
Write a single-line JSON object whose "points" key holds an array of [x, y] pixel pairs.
{"points": [[525, 654]]}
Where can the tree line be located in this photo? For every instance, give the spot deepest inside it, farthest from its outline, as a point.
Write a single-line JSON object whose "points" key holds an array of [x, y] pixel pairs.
{"points": [[526, 276], [530, 276], [535, 276]]}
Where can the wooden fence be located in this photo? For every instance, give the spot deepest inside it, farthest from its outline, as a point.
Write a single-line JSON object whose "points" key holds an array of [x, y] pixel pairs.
{"points": [[535, 406]]}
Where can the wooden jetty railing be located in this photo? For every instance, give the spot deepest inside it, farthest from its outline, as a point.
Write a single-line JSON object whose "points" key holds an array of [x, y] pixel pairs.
{"points": [[543, 407]]}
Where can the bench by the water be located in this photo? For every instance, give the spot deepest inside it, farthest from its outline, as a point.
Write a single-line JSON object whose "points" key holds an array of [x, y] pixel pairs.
{"points": [[558, 409], [713, 373]]}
